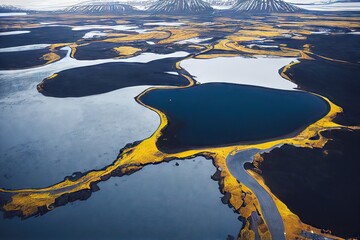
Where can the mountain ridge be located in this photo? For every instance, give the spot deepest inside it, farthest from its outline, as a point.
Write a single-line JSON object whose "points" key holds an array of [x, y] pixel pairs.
{"points": [[99, 7], [264, 6], [180, 7]]}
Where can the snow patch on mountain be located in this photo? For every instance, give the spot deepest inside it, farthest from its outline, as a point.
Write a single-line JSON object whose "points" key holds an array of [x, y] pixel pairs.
{"points": [[264, 6], [99, 7], [331, 7], [180, 7]]}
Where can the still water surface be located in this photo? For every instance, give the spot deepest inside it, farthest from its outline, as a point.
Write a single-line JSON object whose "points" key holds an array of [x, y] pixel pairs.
{"points": [[159, 202]]}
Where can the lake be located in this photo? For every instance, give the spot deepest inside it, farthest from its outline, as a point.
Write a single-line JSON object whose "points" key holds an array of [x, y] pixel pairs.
{"points": [[218, 114]]}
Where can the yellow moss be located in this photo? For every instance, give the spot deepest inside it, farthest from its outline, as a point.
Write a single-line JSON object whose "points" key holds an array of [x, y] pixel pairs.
{"points": [[304, 56], [52, 76], [291, 24], [58, 45], [343, 24], [266, 236], [299, 37], [27, 201], [257, 160], [73, 49], [179, 35], [329, 59], [304, 32], [127, 51], [51, 57], [138, 37], [200, 47], [112, 35], [247, 233], [221, 45], [282, 53], [259, 33], [241, 38], [286, 68], [41, 84]]}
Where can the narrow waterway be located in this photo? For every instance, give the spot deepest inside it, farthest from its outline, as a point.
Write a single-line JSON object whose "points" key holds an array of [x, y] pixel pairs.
{"points": [[268, 208]]}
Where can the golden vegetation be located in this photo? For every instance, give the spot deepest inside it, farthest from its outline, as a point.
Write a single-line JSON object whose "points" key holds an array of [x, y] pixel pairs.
{"points": [[51, 57], [282, 53], [139, 37], [179, 35], [29, 201], [127, 51]]}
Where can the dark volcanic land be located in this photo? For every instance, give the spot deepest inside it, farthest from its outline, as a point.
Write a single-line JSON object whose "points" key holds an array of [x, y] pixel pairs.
{"points": [[323, 187], [337, 81], [320, 185], [103, 78], [25, 59]]}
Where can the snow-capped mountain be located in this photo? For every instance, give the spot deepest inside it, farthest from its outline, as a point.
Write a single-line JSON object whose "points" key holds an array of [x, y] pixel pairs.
{"points": [[139, 4], [264, 6], [8, 8], [316, 2], [100, 7], [221, 2], [180, 7]]}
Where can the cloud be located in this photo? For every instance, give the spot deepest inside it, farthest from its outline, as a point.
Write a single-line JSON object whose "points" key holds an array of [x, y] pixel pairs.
{"points": [[59, 4], [40, 4]]}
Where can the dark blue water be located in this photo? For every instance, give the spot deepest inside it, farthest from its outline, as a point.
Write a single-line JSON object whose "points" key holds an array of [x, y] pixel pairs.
{"points": [[219, 114], [159, 202]]}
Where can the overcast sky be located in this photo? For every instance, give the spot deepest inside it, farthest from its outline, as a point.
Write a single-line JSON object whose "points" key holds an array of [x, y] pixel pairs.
{"points": [[40, 4], [56, 4]]}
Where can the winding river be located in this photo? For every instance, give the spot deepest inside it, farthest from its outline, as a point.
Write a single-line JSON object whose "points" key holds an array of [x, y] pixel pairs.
{"points": [[268, 208]]}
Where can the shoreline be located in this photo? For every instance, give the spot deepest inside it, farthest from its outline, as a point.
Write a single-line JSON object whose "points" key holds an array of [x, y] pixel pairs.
{"points": [[133, 157]]}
